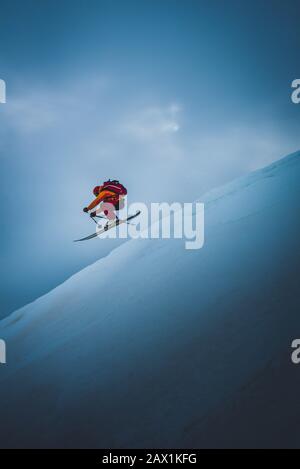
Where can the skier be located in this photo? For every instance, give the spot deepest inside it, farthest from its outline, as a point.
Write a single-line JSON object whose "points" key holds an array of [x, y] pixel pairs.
{"points": [[111, 197]]}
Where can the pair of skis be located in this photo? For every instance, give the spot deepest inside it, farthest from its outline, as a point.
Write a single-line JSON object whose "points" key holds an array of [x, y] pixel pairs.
{"points": [[108, 227]]}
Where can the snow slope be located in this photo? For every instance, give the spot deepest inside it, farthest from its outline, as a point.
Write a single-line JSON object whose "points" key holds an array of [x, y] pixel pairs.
{"points": [[158, 346]]}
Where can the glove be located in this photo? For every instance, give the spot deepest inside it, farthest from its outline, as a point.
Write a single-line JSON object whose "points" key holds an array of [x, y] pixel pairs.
{"points": [[93, 214], [85, 209]]}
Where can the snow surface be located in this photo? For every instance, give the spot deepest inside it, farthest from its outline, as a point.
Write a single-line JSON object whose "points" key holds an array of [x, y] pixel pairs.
{"points": [[158, 346]]}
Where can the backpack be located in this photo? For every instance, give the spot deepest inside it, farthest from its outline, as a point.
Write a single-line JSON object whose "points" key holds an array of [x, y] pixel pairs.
{"points": [[114, 186]]}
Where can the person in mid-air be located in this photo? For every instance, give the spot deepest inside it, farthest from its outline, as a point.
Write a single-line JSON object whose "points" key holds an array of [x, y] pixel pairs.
{"points": [[110, 196]]}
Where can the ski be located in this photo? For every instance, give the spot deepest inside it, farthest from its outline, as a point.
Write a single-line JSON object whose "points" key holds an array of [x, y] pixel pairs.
{"points": [[105, 229]]}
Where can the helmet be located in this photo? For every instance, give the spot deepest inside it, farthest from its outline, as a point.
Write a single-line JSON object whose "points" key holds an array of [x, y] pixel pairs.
{"points": [[97, 190]]}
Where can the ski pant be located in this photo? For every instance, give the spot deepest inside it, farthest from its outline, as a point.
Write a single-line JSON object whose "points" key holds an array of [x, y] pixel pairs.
{"points": [[107, 209]]}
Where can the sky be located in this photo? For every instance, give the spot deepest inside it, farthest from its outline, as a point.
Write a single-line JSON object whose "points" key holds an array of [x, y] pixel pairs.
{"points": [[172, 97]]}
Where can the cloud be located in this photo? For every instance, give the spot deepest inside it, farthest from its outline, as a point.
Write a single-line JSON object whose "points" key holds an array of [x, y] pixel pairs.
{"points": [[35, 109], [152, 123], [88, 126]]}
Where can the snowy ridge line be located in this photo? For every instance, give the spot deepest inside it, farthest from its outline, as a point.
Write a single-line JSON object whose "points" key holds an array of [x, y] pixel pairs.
{"points": [[209, 198], [229, 188]]}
